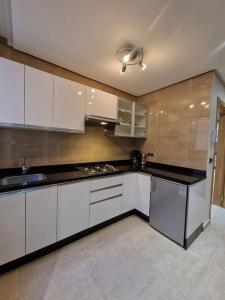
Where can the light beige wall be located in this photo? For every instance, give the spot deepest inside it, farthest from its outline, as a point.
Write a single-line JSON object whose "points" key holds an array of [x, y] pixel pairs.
{"points": [[179, 133], [47, 148]]}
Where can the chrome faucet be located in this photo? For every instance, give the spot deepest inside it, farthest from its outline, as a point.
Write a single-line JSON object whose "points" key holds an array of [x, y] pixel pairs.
{"points": [[24, 167]]}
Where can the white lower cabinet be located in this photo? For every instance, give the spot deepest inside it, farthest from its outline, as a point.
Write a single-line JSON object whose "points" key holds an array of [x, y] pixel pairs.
{"points": [[12, 226], [105, 210], [197, 207], [142, 195], [73, 208], [41, 214], [128, 198]]}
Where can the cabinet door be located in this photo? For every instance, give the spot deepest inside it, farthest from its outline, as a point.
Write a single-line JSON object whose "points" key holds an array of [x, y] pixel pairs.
{"points": [[69, 104], [11, 92], [73, 208], [143, 188], [101, 104], [38, 98], [12, 226], [128, 198], [41, 213]]}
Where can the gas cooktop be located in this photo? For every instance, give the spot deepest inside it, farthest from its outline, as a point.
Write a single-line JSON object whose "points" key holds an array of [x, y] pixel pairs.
{"points": [[97, 169]]}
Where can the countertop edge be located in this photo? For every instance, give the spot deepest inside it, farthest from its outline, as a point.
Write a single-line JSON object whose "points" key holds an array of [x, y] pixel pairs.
{"points": [[43, 184]]}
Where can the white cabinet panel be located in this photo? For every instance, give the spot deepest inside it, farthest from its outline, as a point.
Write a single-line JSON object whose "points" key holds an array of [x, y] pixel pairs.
{"points": [[143, 188], [101, 183], [69, 104], [38, 97], [41, 213], [128, 198], [197, 205], [105, 210], [11, 92], [73, 208], [101, 104], [12, 226]]}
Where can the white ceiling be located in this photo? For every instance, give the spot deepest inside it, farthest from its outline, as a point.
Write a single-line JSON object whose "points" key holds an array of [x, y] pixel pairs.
{"points": [[181, 38]]}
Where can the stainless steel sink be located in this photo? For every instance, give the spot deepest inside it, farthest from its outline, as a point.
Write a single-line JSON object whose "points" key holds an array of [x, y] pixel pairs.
{"points": [[22, 179]]}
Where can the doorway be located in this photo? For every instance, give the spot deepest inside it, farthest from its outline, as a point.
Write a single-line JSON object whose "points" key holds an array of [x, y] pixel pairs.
{"points": [[218, 197]]}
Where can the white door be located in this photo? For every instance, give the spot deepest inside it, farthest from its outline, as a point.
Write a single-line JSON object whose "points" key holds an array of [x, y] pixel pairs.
{"points": [[143, 189], [38, 97], [69, 104], [41, 215], [128, 197], [101, 104], [11, 92], [73, 208], [12, 226]]}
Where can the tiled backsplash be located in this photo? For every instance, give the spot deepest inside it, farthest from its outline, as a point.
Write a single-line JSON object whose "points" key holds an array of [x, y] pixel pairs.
{"points": [[179, 123], [47, 148]]}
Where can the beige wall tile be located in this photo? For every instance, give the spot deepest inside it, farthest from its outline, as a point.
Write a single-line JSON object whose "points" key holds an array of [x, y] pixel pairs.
{"points": [[197, 159], [179, 122], [48, 148], [176, 156]]}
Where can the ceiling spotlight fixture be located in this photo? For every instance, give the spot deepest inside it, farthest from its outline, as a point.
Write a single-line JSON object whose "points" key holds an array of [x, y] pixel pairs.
{"points": [[130, 55]]}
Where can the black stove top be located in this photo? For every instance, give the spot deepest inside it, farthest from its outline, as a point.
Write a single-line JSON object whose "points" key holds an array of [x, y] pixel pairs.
{"points": [[97, 169]]}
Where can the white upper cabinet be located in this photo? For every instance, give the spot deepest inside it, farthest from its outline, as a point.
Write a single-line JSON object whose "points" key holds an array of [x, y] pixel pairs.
{"points": [[69, 105], [101, 104], [133, 119], [38, 97], [11, 92]]}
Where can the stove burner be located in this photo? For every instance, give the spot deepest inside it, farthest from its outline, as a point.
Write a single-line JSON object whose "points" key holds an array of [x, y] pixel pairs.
{"points": [[98, 169]]}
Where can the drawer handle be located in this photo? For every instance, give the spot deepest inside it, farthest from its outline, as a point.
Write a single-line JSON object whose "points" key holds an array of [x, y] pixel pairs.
{"points": [[107, 188], [119, 195]]}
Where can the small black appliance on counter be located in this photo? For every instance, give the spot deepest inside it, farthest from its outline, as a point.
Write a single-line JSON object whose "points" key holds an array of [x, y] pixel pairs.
{"points": [[136, 157]]}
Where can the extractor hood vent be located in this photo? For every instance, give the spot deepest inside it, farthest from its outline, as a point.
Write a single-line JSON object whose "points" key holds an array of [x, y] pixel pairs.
{"points": [[100, 121]]}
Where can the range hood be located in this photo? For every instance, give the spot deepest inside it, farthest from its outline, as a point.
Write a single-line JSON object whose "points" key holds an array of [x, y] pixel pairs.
{"points": [[100, 121]]}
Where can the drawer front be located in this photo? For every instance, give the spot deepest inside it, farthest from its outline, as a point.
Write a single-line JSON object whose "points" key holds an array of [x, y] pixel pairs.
{"points": [[105, 210], [105, 194], [102, 183]]}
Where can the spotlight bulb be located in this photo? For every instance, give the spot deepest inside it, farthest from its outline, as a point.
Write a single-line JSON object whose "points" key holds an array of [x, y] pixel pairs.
{"points": [[142, 65], [123, 69]]}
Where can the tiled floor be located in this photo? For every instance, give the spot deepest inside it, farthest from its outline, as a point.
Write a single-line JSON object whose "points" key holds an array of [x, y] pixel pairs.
{"points": [[127, 260]]}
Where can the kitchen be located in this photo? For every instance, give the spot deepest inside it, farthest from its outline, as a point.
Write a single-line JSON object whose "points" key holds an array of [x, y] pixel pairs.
{"points": [[90, 169]]}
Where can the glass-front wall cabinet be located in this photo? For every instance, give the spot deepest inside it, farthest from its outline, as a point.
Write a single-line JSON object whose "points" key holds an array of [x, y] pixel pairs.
{"points": [[132, 119], [140, 121]]}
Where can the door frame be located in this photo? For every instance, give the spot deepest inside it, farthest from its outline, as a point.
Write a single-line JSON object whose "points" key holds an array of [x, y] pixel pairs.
{"points": [[220, 105]]}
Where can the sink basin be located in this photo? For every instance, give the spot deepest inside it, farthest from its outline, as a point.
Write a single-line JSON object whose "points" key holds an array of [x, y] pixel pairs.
{"points": [[22, 179]]}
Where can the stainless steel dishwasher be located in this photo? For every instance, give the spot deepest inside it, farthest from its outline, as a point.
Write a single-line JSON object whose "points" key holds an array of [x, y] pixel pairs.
{"points": [[168, 209]]}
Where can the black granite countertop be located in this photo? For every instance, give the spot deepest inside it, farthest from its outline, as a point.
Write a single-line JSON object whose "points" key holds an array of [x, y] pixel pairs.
{"points": [[69, 173]]}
